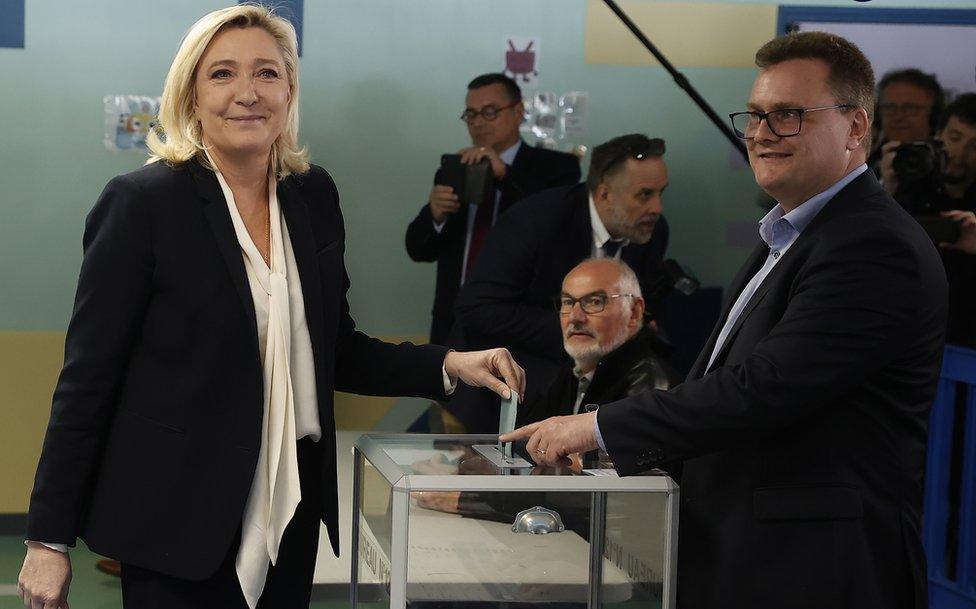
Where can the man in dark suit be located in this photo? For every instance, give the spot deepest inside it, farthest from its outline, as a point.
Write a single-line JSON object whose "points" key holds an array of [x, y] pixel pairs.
{"points": [[802, 426], [452, 234], [508, 298]]}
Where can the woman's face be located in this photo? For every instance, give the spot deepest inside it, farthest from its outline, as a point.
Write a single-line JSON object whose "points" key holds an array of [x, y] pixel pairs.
{"points": [[242, 92]]}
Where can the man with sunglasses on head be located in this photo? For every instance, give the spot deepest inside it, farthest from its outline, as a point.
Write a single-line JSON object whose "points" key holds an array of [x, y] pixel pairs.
{"points": [[801, 429], [453, 234], [507, 299]]}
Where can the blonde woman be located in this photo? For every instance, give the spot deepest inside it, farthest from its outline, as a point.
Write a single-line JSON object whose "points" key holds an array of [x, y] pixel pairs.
{"points": [[192, 432]]}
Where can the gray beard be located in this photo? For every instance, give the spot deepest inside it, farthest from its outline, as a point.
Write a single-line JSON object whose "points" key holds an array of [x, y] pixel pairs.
{"points": [[620, 229], [594, 353]]}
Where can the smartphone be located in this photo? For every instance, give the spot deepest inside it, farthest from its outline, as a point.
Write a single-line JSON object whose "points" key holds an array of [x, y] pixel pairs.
{"points": [[472, 184]]}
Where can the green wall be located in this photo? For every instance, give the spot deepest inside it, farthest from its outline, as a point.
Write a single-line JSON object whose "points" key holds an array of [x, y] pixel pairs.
{"points": [[382, 84]]}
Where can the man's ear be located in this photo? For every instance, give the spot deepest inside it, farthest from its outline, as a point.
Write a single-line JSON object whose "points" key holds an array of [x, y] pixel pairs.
{"points": [[602, 193], [637, 312], [860, 129]]}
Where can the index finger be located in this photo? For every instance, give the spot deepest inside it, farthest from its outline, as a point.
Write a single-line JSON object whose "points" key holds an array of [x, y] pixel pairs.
{"points": [[520, 433]]}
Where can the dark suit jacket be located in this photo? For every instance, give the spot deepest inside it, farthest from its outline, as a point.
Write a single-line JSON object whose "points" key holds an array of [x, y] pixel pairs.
{"points": [[804, 445], [156, 421], [507, 300], [533, 169]]}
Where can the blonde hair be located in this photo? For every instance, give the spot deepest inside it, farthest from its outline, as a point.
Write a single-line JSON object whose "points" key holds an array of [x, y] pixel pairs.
{"points": [[177, 137]]}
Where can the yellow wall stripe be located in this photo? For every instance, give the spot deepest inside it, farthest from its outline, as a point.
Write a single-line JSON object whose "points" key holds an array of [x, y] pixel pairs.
{"points": [[691, 34]]}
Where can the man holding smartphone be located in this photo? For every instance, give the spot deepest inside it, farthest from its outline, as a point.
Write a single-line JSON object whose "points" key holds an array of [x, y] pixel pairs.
{"points": [[451, 234]]}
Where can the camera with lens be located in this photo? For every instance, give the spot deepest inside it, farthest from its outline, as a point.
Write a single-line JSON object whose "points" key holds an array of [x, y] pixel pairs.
{"points": [[919, 166]]}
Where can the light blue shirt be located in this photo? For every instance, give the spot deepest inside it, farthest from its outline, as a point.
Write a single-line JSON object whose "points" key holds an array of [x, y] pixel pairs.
{"points": [[779, 230]]}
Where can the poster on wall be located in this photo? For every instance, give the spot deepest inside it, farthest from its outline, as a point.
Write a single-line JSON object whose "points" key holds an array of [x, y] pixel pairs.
{"points": [[128, 119], [522, 60], [948, 51], [938, 41], [292, 10], [12, 24]]}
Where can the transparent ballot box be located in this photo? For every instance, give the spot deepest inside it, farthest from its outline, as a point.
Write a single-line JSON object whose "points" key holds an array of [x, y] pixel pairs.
{"points": [[451, 521]]}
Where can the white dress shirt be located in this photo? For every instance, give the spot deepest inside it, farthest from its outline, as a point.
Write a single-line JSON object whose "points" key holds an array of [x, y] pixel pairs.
{"points": [[601, 235], [290, 402]]}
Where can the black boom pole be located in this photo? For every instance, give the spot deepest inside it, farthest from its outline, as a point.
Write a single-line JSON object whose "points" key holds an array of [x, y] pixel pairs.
{"points": [[679, 78]]}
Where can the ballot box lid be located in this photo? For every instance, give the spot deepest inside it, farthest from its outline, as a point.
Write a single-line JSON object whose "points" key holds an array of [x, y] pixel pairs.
{"points": [[420, 462]]}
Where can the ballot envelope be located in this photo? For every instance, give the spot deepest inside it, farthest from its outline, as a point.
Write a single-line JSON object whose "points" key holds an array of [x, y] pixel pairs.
{"points": [[452, 521]]}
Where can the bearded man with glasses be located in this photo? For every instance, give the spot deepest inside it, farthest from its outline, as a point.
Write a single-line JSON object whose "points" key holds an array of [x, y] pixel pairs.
{"points": [[801, 429], [452, 234]]}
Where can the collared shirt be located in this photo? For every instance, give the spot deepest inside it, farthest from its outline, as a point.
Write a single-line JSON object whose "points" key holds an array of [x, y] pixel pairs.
{"points": [[779, 230], [507, 157], [601, 235]]}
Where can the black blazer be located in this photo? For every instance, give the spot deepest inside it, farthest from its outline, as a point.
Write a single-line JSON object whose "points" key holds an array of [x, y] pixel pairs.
{"points": [[804, 445], [156, 420], [507, 299], [533, 169]]}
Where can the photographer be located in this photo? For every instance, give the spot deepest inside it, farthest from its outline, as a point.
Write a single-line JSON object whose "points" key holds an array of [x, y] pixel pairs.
{"points": [[959, 182], [958, 135], [938, 177], [910, 104], [452, 234]]}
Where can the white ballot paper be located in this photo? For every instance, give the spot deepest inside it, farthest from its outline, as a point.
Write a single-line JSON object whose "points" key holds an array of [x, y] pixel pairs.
{"points": [[506, 421]]}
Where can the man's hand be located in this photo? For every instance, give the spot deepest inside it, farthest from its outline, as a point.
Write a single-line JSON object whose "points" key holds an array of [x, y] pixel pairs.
{"points": [[44, 578], [470, 156], [442, 202], [553, 440], [494, 369], [967, 231], [889, 179]]}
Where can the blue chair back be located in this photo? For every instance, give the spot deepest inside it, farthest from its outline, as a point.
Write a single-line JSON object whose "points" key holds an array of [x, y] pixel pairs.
{"points": [[950, 498]]}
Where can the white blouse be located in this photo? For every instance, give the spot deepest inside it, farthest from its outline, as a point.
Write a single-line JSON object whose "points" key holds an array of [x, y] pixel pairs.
{"points": [[290, 401]]}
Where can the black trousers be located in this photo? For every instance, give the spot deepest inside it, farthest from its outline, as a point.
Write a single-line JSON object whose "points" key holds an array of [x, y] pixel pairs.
{"points": [[289, 583]]}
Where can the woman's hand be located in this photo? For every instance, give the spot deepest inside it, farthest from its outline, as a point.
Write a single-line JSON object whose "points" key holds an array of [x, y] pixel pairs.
{"points": [[44, 578], [494, 369]]}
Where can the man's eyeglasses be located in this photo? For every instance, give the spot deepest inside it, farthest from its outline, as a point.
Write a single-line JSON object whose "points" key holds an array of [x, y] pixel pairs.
{"points": [[489, 113], [653, 147], [783, 123], [891, 109], [590, 303]]}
